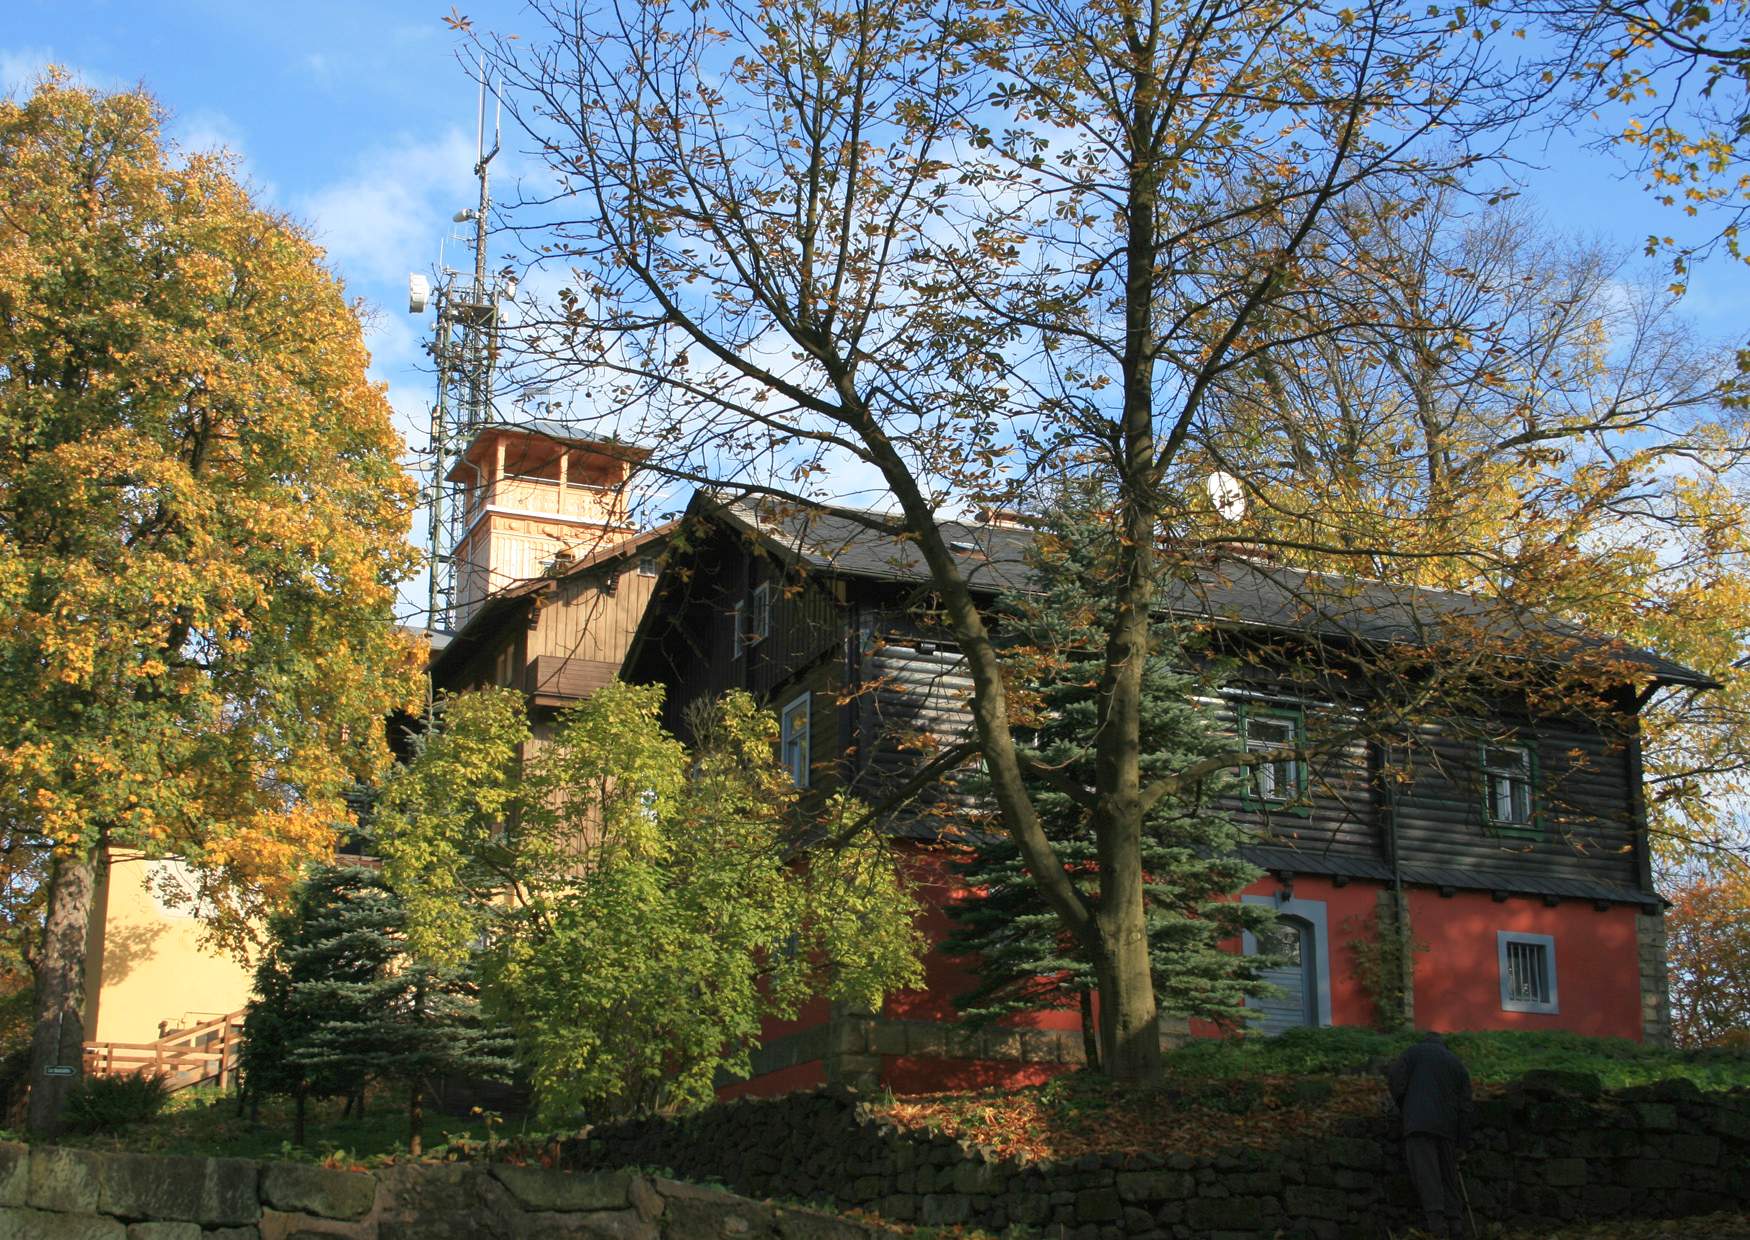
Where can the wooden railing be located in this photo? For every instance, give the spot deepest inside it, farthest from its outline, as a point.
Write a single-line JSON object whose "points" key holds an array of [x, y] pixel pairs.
{"points": [[204, 1055]]}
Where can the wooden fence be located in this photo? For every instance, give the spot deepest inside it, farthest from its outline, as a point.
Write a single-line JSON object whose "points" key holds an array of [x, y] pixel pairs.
{"points": [[204, 1055]]}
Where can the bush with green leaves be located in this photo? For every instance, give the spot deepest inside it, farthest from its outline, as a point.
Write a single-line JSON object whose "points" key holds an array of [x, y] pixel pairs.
{"points": [[111, 1103], [644, 906]]}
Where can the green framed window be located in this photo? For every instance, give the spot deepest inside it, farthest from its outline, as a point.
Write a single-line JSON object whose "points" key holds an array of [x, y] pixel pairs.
{"points": [[1278, 735], [1509, 788]]}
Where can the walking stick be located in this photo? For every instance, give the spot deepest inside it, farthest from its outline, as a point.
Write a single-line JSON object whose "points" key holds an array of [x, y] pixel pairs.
{"points": [[1464, 1194]]}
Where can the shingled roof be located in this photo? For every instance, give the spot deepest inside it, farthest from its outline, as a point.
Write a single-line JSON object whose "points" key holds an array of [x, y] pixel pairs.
{"points": [[1229, 589]]}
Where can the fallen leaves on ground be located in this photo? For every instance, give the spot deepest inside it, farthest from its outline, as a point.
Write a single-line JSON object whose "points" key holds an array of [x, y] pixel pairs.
{"points": [[1083, 1114]]}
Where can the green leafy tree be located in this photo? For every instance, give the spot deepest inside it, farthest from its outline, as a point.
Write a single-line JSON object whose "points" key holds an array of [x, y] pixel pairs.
{"points": [[645, 906], [341, 1001], [202, 522], [1189, 848]]}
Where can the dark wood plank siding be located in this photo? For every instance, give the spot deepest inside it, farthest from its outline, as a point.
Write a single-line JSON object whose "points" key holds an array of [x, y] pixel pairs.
{"points": [[555, 681], [913, 696], [694, 652], [1342, 815], [1583, 801], [804, 630]]}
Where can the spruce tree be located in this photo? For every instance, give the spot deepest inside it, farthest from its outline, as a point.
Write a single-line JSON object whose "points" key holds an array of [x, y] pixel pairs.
{"points": [[341, 1002], [1023, 958]]}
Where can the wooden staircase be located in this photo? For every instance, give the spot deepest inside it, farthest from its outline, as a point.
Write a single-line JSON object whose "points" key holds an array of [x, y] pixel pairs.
{"points": [[203, 1055]]}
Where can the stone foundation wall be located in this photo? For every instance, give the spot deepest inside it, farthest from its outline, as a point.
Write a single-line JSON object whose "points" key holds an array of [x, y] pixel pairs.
{"points": [[1554, 1149], [50, 1193], [1650, 943]]}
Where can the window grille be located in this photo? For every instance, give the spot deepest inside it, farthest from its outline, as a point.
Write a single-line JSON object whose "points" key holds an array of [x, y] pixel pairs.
{"points": [[1528, 972]]}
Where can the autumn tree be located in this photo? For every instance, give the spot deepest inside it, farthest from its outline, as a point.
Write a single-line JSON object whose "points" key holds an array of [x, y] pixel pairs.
{"points": [[1708, 947], [1522, 417], [202, 519], [1665, 84], [643, 906], [940, 252]]}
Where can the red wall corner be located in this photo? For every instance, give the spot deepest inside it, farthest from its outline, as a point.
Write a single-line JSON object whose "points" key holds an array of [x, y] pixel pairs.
{"points": [[1458, 979]]}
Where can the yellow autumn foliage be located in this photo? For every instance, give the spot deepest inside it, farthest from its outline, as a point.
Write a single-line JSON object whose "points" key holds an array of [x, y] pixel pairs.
{"points": [[202, 514]]}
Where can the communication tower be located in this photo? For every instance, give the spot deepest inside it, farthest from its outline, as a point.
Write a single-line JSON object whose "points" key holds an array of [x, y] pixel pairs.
{"points": [[507, 499], [464, 350]]}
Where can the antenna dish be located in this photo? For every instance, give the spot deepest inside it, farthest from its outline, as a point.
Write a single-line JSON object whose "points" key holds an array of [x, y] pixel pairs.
{"points": [[418, 293], [1226, 493]]}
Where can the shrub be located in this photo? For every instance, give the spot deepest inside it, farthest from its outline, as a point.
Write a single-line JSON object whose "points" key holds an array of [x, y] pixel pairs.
{"points": [[110, 1103], [1491, 1056]]}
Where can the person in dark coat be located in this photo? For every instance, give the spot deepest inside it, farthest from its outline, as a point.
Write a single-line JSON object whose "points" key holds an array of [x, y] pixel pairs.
{"points": [[1431, 1087]]}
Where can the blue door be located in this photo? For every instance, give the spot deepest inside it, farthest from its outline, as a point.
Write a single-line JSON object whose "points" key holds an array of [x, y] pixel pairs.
{"points": [[1290, 941]]}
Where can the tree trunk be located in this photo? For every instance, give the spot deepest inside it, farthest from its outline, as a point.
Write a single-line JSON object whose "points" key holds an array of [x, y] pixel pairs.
{"points": [[416, 1118], [1090, 1033], [298, 1115], [1130, 1036], [58, 1039]]}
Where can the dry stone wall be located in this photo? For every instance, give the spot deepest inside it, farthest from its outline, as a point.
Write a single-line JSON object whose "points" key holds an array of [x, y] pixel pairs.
{"points": [[1555, 1148], [51, 1193]]}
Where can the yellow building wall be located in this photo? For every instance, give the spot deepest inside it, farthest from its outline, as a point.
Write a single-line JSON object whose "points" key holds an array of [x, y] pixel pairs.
{"points": [[145, 962]]}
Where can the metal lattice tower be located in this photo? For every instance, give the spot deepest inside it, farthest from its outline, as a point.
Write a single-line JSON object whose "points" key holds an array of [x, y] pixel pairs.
{"points": [[464, 349]]}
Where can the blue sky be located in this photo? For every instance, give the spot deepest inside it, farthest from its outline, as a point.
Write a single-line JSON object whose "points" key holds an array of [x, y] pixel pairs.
{"points": [[357, 119]]}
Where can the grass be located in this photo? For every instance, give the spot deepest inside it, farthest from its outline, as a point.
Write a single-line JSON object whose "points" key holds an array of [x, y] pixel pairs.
{"points": [[1491, 1057], [206, 1122]]}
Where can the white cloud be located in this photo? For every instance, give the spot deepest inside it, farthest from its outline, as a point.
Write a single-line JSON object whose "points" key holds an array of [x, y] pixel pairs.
{"points": [[21, 67], [204, 130], [387, 217]]}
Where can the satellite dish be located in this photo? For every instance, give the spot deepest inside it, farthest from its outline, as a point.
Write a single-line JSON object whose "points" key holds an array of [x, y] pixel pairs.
{"points": [[1228, 496], [418, 293]]}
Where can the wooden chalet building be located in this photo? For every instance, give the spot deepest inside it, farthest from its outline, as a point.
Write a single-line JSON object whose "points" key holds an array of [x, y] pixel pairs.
{"points": [[551, 580], [1519, 849]]}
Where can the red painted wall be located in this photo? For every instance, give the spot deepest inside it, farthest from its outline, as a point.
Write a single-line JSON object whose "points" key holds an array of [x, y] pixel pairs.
{"points": [[932, 874], [1458, 980], [784, 1081], [1346, 909]]}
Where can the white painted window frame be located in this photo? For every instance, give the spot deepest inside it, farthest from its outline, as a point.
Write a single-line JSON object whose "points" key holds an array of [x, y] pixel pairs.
{"points": [[787, 733], [760, 615], [1548, 943], [1520, 775]]}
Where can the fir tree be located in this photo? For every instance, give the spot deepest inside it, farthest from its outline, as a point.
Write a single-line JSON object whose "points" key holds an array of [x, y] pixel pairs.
{"points": [[341, 1001], [1024, 960]]}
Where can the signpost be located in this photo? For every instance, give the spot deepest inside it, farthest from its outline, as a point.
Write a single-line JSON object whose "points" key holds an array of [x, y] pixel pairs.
{"points": [[60, 1069]]}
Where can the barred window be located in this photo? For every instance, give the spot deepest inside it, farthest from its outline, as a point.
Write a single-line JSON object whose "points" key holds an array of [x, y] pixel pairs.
{"points": [[1528, 972]]}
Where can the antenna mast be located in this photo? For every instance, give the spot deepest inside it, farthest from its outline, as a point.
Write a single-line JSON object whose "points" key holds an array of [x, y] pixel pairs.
{"points": [[464, 347]]}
